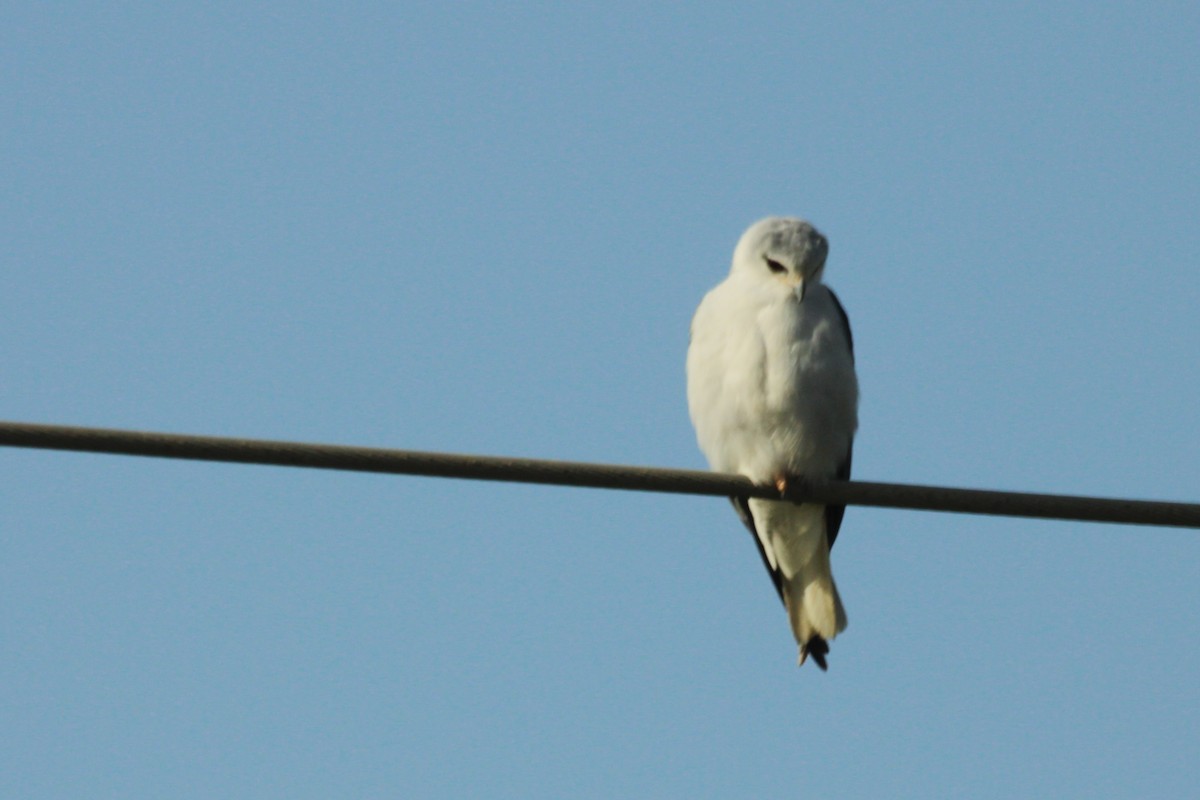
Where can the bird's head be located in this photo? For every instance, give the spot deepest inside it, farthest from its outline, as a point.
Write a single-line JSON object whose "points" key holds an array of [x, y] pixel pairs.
{"points": [[786, 250]]}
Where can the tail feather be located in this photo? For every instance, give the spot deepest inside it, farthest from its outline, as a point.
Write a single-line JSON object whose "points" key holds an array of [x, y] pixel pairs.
{"points": [[818, 648], [815, 611], [794, 543]]}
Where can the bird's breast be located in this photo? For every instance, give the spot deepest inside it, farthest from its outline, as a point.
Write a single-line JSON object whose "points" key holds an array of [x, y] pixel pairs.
{"points": [[771, 386], [809, 392]]}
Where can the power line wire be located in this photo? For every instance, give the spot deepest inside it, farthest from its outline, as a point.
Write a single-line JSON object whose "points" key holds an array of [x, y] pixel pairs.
{"points": [[599, 476]]}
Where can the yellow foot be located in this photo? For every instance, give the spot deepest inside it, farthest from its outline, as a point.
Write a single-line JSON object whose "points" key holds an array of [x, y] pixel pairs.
{"points": [[781, 484]]}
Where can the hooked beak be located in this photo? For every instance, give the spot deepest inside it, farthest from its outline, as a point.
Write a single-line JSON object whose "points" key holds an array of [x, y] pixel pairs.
{"points": [[801, 286]]}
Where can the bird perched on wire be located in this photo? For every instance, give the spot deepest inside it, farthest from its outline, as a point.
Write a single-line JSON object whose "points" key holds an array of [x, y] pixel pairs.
{"points": [[773, 396]]}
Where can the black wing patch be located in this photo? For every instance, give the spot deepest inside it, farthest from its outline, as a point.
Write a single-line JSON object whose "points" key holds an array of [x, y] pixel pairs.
{"points": [[845, 321], [742, 506], [834, 514]]}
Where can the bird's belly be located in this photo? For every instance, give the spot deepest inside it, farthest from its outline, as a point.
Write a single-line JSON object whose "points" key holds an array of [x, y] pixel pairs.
{"points": [[805, 431]]}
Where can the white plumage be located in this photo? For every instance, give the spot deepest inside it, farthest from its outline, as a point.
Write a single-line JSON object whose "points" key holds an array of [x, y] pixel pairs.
{"points": [[773, 395]]}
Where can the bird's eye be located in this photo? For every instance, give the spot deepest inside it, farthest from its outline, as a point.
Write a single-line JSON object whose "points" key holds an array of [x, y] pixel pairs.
{"points": [[775, 266]]}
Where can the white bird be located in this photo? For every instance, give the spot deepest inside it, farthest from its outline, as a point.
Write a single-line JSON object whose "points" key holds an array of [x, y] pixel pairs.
{"points": [[773, 396]]}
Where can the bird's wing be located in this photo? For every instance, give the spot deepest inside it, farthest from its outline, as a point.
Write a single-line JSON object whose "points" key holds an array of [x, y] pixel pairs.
{"points": [[742, 506], [834, 514], [837, 304]]}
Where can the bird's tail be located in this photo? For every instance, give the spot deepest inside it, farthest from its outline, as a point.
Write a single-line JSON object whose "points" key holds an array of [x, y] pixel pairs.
{"points": [[814, 607]]}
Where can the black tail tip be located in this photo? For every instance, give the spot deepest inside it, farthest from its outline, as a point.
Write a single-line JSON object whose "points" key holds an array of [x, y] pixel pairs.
{"points": [[817, 648]]}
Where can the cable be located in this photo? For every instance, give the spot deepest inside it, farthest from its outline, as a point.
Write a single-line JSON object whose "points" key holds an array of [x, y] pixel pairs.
{"points": [[599, 476]]}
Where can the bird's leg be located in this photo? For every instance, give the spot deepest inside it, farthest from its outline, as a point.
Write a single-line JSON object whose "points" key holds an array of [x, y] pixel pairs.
{"points": [[781, 484]]}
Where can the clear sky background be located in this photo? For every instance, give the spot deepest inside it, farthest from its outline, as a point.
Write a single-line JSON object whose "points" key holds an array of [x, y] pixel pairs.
{"points": [[484, 228]]}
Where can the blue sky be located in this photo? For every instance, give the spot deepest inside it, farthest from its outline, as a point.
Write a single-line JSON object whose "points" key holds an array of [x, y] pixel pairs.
{"points": [[479, 228]]}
